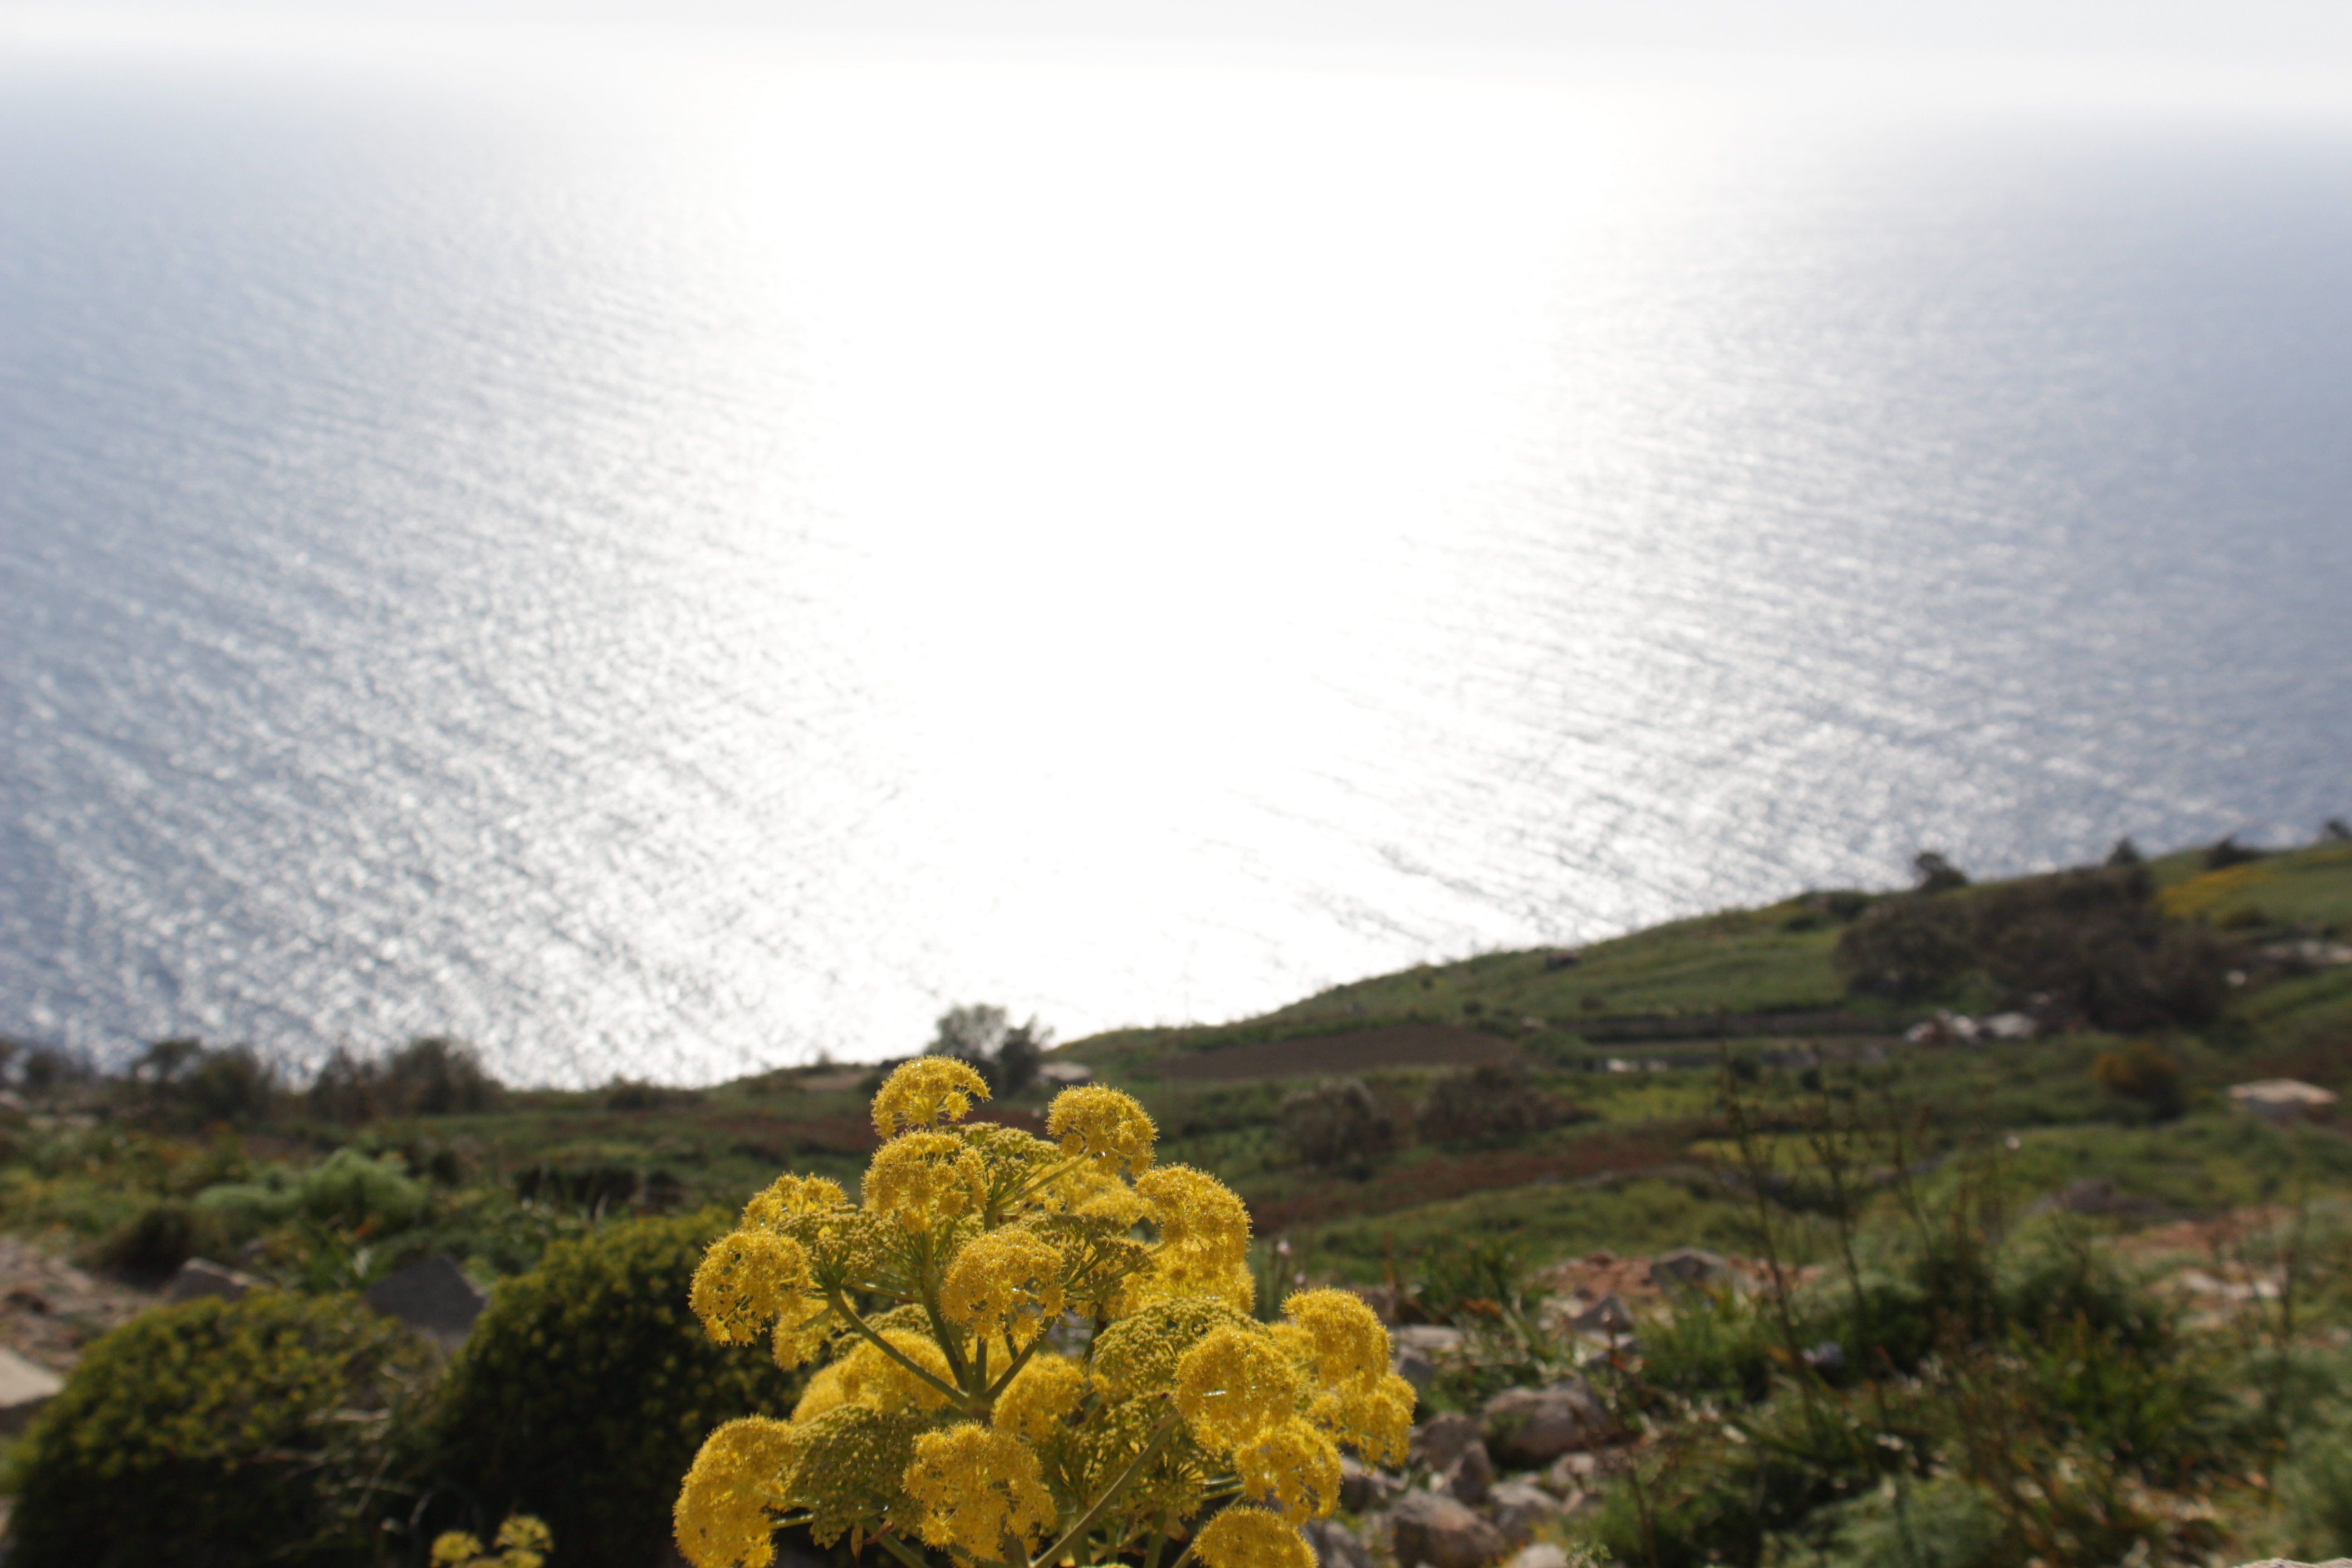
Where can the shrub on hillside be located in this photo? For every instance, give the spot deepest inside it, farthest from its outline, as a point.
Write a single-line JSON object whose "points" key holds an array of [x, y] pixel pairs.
{"points": [[2142, 1071], [1006, 1055], [2093, 944], [348, 1190], [219, 1434], [2229, 852], [432, 1075], [1936, 874], [1906, 948], [2052, 1400], [1489, 1104], [160, 1238], [44, 1070], [186, 1080], [587, 1387], [1338, 1125]]}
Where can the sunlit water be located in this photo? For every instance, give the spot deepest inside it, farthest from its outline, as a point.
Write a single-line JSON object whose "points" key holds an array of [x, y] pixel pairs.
{"points": [[672, 572]]}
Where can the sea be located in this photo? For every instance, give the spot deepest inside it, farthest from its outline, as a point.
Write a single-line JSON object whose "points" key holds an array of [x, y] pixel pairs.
{"points": [[672, 558]]}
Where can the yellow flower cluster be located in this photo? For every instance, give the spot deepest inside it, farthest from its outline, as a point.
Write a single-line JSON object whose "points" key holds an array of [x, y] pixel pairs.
{"points": [[522, 1542], [945, 1414]]}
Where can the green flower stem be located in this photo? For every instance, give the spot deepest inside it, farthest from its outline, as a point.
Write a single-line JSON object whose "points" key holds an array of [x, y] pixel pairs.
{"points": [[1052, 1554], [946, 1340], [1012, 1368], [849, 1315], [1033, 1182], [899, 1549]]}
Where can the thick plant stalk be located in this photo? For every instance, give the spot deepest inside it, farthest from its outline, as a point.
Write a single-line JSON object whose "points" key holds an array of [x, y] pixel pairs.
{"points": [[1052, 1554]]}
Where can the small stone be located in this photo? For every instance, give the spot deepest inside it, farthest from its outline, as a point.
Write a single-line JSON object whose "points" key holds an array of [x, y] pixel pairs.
{"points": [[1334, 1545], [1519, 1510], [200, 1277], [1431, 1527], [1690, 1268], [1439, 1441], [1607, 1316], [1571, 1475], [1472, 1477], [25, 1387], [1531, 1426], [1362, 1489], [432, 1296], [1542, 1554], [1413, 1366]]}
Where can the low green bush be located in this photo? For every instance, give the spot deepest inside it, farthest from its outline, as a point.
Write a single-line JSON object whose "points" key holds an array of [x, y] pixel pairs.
{"points": [[347, 1189], [1721, 1492], [220, 1434], [2315, 1491], [1906, 948], [1938, 1524], [160, 1238], [1492, 1103], [586, 1389], [1723, 1344], [1338, 1125]]}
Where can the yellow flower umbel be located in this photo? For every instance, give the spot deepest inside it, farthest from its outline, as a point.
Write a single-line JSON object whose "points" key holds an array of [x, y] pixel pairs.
{"points": [[523, 1542], [945, 1416]]}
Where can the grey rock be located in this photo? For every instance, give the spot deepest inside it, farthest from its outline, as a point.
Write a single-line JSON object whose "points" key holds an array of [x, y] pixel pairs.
{"points": [[1413, 1366], [1542, 1554], [1517, 1510], [1439, 1441], [1690, 1269], [2100, 1196], [432, 1296], [1431, 1527], [201, 1277], [1531, 1426], [1334, 1545], [1470, 1477], [1362, 1489], [1569, 1473], [25, 1387], [1430, 1339], [1606, 1316]]}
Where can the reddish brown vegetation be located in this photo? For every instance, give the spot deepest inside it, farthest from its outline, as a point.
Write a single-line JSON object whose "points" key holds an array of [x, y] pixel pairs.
{"points": [[1452, 1176], [1363, 1050], [777, 1138]]}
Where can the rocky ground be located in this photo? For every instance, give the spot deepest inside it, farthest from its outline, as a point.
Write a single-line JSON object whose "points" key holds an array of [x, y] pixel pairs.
{"points": [[49, 1308], [1479, 1488]]}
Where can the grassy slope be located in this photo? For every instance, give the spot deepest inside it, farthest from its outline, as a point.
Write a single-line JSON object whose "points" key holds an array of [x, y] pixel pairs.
{"points": [[1637, 1176], [1638, 1170]]}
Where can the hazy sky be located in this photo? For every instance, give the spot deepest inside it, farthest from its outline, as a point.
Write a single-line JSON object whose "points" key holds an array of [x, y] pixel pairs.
{"points": [[2301, 34]]}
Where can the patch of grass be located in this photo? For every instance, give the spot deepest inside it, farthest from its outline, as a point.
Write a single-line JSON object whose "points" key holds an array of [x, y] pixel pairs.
{"points": [[1544, 1222], [2310, 886]]}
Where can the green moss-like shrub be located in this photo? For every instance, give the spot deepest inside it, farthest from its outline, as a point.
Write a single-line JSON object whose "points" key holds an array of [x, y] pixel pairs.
{"points": [[161, 1237], [220, 1433], [587, 1388]]}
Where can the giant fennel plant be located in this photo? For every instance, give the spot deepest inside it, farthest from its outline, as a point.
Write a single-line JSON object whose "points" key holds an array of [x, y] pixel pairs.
{"points": [[948, 1413]]}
